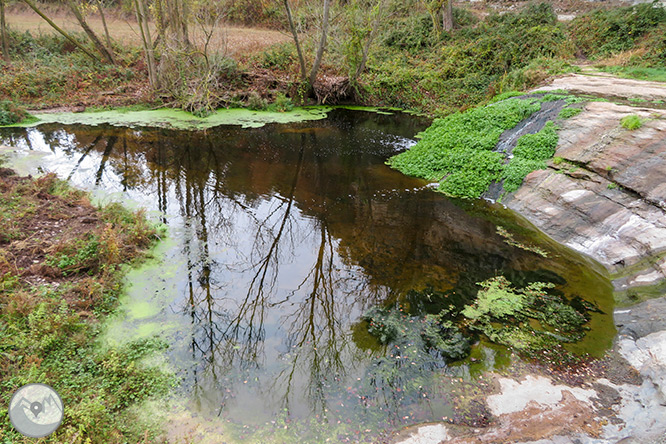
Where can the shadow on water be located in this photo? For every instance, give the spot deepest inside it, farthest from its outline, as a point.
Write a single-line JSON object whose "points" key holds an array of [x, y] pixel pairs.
{"points": [[287, 235]]}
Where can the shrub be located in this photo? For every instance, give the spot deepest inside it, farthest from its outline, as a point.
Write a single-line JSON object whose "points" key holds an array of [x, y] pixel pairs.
{"points": [[282, 104], [10, 113], [256, 102], [604, 32], [411, 33], [279, 56]]}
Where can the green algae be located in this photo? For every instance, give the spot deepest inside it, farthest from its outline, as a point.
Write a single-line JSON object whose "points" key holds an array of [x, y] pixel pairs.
{"points": [[371, 109], [642, 293], [149, 289], [179, 119]]}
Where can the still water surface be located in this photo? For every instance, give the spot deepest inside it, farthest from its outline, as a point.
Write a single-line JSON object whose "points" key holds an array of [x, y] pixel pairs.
{"points": [[281, 237]]}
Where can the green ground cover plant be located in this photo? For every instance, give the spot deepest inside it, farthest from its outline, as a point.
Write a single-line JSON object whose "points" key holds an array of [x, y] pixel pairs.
{"points": [[457, 151], [601, 33], [569, 112]]}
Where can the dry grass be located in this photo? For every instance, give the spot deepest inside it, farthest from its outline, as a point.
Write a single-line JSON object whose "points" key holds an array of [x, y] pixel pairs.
{"points": [[230, 40]]}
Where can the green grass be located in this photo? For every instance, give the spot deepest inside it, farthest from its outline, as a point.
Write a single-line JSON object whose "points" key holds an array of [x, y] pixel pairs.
{"points": [[657, 74], [631, 122]]}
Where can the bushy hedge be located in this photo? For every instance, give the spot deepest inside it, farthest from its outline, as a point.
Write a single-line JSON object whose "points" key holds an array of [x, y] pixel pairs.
{"points": [[604, 32]]}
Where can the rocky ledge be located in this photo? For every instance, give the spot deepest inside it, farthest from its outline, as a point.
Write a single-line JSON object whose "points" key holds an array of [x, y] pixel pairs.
{"points": [[604, 195]]}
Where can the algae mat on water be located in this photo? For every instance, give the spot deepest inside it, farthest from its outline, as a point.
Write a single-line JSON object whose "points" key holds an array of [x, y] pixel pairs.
{"points": [[179, 119]]}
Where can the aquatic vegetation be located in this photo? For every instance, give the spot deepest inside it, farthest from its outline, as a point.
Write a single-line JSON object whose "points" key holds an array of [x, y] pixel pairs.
{"points": [[509, 315], [432, 333], [530, 320], [457, 150], [510, 240]]}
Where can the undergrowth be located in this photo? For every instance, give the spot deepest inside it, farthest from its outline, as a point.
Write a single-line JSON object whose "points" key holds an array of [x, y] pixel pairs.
{"points": [[48, 70]]}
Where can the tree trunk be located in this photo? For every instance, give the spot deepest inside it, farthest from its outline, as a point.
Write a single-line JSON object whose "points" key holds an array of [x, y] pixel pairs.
{"points": [[185, 13], [100, 6], [160, 22], [447, 16], [106, 52], [292, 27], [64, 34], [434, 7], [322, 43], [142, 19], [368, 43], [3, 32]]}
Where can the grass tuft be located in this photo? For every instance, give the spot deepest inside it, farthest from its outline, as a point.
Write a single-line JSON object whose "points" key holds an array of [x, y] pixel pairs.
{"points": [[631, 122]]}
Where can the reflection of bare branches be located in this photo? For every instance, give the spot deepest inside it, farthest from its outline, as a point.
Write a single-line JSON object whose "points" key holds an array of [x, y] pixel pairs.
{"points": [[318, 346]]}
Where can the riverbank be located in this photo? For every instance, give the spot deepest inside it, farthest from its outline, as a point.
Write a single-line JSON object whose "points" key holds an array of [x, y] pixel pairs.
{"points": [[61, 267], [411, 65]]}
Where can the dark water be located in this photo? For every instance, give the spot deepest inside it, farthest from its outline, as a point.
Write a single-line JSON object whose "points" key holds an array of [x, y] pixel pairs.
{"points": [[288, 234]]}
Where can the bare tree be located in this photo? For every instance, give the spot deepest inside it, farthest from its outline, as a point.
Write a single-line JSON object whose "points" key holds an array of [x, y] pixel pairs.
{"points": [[322, 42], [106, 52], [321, 47], [3, 32], [142, 20], [376, 15], [294, 33], [100, 7]]}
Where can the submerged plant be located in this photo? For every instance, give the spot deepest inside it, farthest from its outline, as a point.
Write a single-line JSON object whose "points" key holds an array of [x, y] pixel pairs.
{"points": [[527, 319]]}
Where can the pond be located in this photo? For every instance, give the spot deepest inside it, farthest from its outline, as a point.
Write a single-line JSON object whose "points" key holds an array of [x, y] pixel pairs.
{"points": [[281, 240]]}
